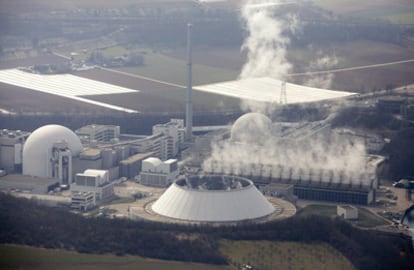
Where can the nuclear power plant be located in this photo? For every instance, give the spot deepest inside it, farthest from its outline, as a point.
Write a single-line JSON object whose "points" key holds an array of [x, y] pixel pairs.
{"points": [[224, 174]]}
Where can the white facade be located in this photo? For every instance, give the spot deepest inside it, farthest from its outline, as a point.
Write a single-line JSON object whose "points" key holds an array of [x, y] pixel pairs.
{"points": [[82, 200], [99, 133], [158, 173], [48, 152], [174, 136], [93, 178], [95, 182], [213, 205], [347, 211]]}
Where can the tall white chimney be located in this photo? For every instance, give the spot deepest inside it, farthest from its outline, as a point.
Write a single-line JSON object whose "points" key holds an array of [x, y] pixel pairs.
{"points": [[189, 103]]}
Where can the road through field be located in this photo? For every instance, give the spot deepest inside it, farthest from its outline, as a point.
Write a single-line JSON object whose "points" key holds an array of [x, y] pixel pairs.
{"points": [[142, 77], [350, 68]]}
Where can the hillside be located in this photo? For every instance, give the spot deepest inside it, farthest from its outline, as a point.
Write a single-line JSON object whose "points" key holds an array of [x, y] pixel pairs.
{"points": [[26, 223]]}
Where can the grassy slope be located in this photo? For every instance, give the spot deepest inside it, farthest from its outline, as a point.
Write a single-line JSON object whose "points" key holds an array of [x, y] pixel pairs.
{"points": [[365, 218], [284, 255], [21, 257]]}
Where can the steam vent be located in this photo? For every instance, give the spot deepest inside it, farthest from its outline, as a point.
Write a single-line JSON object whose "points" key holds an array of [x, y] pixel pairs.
{"points": [[213, 198]]}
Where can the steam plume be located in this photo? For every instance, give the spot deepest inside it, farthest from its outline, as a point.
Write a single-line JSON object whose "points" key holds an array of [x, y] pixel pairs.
{"points": [[326, 158], [323, 62], [266, 44]]}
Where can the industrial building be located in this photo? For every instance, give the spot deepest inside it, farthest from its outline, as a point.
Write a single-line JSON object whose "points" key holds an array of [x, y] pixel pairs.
{"points": [[158, 173], [175, 134], [278, 153], [11, 149], [132, 166], [99, 133], [54, 151], [90, 188], [212, 198], [28, 184], [87, 161]]}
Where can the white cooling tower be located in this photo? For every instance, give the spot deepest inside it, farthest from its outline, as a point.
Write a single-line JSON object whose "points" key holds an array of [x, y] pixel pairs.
{"points": [[213, 199]]}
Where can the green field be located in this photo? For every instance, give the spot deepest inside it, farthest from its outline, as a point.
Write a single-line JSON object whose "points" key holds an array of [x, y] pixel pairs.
{"points": [[269, 255], [366, 219], [260, 254], [165, 68], [21, 257], [22, 6], [316, 209]]}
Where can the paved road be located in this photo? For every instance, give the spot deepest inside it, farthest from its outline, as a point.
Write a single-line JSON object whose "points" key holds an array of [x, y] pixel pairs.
{"points": [[350, 68]]}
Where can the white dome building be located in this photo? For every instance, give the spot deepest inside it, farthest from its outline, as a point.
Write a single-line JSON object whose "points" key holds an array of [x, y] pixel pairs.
{"points": [[48, 153], [213, 199], [251, 127]]}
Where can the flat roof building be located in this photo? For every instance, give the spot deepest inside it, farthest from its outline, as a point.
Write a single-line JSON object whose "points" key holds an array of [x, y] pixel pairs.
{"points": [[11, 149], [29, 184], [347, 211], [95, 182], [158, 173], [99, 133]]}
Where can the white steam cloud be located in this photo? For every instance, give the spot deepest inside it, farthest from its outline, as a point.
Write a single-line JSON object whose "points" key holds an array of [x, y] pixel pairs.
{"points": [[323, 62], [266, 43], [322, 155], [326, 158]]}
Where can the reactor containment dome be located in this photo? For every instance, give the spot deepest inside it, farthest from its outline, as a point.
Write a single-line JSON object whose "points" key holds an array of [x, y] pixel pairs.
{"points": [[251, 127], [213, 198], [37, 150]]}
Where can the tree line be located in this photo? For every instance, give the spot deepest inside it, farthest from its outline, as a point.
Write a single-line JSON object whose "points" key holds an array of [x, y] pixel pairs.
{"points": [[25, 222]]}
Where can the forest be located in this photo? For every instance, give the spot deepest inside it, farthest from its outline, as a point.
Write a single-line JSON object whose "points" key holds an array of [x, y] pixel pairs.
{"points": [[27, 223]]}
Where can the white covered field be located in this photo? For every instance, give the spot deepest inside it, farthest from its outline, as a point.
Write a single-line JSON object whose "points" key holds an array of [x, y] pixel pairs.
{"points": [[65, 85], [269, 90], [78, 88]]}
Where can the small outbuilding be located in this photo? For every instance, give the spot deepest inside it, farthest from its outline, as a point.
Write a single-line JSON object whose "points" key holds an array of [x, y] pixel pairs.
{"points": [[347, 211]]}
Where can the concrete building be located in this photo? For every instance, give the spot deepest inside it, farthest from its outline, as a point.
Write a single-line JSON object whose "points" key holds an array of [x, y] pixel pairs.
{"points": [[335, 193], [95, 182], [347, 211], [82, 201], [158, 173], [98, 133], [283, 154], [278, 190], [11, 149], [175, 133], [132, 166], [28, 184]]}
